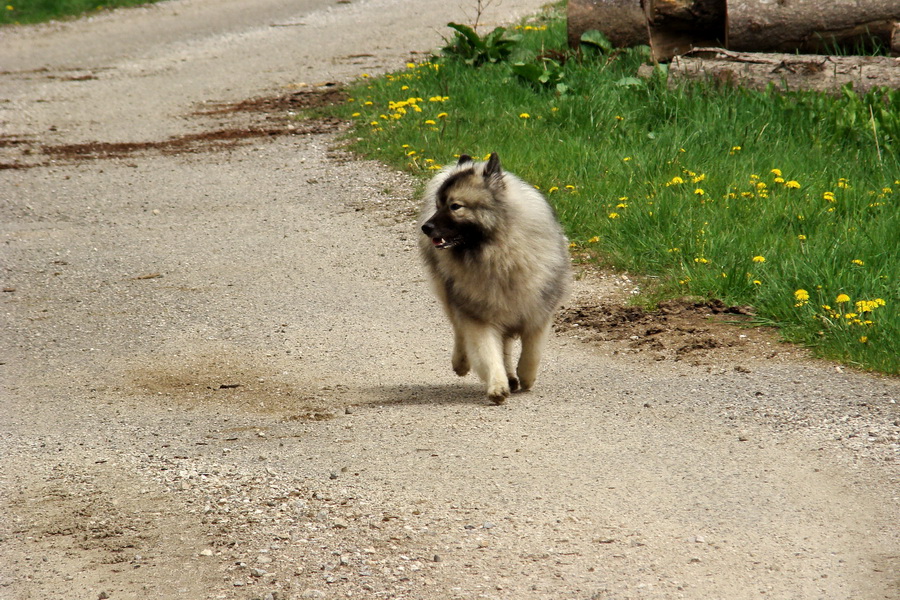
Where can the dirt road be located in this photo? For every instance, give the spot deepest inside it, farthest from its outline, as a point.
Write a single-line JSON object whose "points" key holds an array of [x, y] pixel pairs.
{"points": [[223, 375]]}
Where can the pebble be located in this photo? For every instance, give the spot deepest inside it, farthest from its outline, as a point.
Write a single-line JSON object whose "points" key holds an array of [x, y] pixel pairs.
{"points": [[256, 572], [206, 552], [312, 593]]}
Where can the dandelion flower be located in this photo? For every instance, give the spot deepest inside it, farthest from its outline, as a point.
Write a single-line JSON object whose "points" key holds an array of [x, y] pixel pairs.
{"points": [[430, 122], [801, 295], [553, 189], [863, 339], [776, 172], [524, 116], [594, 240], [757, 282], [759, 259], [857, 262], [842, 299], [442, 115], [801, 237], [699, 191], [613, 215], [701, 261], [794, 185]]}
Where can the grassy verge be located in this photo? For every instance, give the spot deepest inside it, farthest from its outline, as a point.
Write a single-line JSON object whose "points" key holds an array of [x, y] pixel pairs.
{"points": [[787, 202], [38, 11]]}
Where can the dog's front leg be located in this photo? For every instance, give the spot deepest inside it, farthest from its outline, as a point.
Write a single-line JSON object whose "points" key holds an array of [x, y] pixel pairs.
{"points": [[484, 346], [533, 343]]}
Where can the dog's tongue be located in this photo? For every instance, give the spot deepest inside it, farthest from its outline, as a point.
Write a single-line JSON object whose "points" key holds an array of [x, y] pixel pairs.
{"points": [[438, 241]]}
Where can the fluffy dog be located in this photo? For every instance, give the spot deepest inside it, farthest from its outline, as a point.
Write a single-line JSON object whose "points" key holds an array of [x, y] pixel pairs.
{"points": [[499, 264]]}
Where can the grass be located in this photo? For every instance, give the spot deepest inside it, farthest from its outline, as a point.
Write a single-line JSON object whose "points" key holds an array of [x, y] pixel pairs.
{"points": [[784, 201], [38, 11]]}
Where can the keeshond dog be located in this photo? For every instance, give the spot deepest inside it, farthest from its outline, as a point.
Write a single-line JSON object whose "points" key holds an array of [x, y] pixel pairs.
{"points": [[499, 264]]}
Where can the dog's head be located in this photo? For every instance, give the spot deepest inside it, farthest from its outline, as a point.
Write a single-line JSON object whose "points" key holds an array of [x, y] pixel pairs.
{"points": [[468, 205]]}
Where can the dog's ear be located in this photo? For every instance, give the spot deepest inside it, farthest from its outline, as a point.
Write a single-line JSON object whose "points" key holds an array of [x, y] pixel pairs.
{"points": [[463, 159], [492, 168]]}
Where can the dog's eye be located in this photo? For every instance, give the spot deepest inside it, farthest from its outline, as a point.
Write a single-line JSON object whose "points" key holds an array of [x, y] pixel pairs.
{"points": [[455, 206]]}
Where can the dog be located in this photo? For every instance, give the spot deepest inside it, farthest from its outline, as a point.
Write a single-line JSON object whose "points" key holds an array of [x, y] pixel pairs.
{"points": [[499, 264]]}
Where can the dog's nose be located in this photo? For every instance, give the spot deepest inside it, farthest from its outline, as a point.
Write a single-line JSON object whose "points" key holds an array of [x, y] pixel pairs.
{"points": [[428, 228]]}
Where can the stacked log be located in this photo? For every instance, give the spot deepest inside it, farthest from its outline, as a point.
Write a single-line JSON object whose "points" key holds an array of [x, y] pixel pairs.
{"points": [[673, 27]]}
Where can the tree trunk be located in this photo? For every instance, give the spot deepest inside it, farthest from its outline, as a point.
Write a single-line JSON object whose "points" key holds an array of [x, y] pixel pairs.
{"points": [[787, 71], [622, 21], [810, 25]]}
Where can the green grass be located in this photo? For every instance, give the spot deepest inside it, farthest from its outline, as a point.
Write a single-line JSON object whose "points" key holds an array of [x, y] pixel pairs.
{"points": [[784, 201], [38, 11]]}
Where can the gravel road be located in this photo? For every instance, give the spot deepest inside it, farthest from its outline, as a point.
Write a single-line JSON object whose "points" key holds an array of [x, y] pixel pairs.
{"points": [[223, 376]]}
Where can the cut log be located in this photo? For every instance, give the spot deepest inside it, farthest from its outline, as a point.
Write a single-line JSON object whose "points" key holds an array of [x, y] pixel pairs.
{"points": [[810, 25], [677, 26], [786, 71], [622, 21]]}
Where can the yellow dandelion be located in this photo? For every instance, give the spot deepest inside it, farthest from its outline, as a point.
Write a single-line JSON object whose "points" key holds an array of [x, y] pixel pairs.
{"points": [[794, 185], [701, 261], [776, 172], [778, 180], [613, 215], [430, 122], [442, 115], [759, 259], [863, 339], [757, 282], [594, 240], [524, 116], [857, 262], [553, 189], [801, 237], [699, 192], [842, 299], [801, 295], [626, 159]]}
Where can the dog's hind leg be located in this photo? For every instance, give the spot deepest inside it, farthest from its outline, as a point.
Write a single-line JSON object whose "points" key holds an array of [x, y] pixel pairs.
{"points": [[532, 348], [509, 344], [484, 346]]}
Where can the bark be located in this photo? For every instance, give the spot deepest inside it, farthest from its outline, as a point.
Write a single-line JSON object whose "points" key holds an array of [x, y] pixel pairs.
{"points": [[622, 21], [810, 25], [787, 71]]}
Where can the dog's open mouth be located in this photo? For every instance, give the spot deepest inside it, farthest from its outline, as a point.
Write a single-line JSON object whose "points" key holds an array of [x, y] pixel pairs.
{"points": [[443, 243]]}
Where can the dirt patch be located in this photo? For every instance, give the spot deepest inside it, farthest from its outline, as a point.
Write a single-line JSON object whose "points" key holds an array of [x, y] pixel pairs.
{"points": [[235, 381], [245, 121], [328, 94], [697, 332]]}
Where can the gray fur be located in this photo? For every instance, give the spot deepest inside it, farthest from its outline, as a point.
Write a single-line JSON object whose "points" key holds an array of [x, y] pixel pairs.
{"points": [[499, 264]]}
